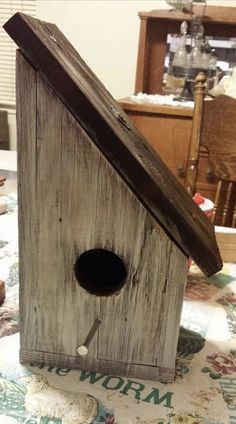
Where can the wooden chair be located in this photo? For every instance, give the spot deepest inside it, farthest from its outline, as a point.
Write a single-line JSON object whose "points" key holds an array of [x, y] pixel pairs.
{"points": [[214, 127]]}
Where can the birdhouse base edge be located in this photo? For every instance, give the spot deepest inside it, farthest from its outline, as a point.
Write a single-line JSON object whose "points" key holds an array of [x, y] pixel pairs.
{"points": [[147, 372]]}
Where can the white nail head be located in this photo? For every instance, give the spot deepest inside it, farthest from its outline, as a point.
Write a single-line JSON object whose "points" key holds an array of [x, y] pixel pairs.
{"points": [[82, 350]]}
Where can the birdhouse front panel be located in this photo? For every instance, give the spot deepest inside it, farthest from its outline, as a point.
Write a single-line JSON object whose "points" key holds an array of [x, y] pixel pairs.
{"points": [[90, 252]]}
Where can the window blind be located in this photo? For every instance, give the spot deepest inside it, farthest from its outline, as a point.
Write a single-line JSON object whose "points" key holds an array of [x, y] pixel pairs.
{"points": [[8, 48]]}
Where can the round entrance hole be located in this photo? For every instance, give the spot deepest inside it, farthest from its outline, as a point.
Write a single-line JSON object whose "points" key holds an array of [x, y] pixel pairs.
{"points": [[100, 272]]}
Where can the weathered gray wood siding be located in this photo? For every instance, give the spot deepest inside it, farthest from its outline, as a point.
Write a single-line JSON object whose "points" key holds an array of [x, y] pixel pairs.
{"points": [[71, 200]]}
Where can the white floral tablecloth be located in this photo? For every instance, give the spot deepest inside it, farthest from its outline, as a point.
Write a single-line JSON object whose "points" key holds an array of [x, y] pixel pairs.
{"points": [[204, 391]]}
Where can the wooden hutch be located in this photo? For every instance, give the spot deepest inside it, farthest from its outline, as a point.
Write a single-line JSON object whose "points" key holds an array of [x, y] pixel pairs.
{"points": [[168, 127], [4, 133]]}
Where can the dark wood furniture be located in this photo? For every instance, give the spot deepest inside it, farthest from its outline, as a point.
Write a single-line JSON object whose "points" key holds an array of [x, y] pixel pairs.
{"points": [[4, 134], [2, 180], [154, 27], [214, 127], [168, 128], [2, 291]]}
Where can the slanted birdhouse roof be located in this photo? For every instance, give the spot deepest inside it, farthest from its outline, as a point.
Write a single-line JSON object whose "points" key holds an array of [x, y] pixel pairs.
{"points": [[51, 54]]}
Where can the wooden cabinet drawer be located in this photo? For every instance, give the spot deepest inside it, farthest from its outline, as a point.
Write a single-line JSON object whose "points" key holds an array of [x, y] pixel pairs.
{"points": [[167, 132]]}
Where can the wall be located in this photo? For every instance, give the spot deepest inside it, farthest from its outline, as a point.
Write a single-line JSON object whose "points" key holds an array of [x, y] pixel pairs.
{"points": [[105, 33]]}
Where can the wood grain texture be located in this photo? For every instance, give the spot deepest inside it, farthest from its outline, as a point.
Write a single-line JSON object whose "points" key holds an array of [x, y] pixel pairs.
{"points": [[167, 133], [168, 129], [165, 375], [142, 63], [130, 105], [218, 135], [75, 202], [217, 14], [225, 204], [126, 148], [156, 57], [195, 136], [4, 132], [27, 195]]}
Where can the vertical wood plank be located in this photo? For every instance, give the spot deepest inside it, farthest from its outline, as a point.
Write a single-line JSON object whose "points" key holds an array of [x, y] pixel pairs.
{"points": [[226, 205], [193, 154], [142, 62], [50, 272], [68, 311], [78, 194], [27, 198]]}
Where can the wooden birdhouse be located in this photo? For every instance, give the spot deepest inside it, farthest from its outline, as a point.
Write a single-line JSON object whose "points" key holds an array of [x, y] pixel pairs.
{"points": [[105, 229]]}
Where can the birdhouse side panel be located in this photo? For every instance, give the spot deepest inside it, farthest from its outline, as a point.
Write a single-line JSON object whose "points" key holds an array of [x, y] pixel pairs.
{"points": [[81, 204]]}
